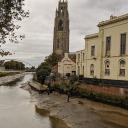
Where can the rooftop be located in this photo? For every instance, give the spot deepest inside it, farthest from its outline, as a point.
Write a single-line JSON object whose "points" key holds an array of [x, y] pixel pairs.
{"points": [[113, 19], [91, 36]]}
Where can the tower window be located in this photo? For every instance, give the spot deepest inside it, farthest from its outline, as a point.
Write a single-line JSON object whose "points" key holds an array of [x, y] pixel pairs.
{"points": [[60, 25], [58, 43], [61, 10]]}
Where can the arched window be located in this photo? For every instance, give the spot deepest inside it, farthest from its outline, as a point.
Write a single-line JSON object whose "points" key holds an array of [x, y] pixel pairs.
{"points": [[62, 11], [58, 43], [122, 68], [107, 68], [60, 25], [92, 70]]}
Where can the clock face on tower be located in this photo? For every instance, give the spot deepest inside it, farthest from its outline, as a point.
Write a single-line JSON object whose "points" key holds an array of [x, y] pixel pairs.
{"points": [[61, 29]]}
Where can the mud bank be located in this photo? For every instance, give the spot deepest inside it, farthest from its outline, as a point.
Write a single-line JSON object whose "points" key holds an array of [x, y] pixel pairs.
{"points": [[80, 113], [56, 121], [11, 79]]}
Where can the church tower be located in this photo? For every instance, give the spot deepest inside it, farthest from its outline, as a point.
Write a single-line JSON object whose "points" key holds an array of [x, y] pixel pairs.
{"points": [[61, 29]]}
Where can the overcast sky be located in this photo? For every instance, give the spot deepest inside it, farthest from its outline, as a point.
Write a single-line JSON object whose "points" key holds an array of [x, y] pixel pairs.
{"points": [[38, 28]]}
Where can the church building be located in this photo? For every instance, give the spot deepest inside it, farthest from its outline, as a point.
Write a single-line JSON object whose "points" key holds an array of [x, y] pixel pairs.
{"points": [[61, 29]]}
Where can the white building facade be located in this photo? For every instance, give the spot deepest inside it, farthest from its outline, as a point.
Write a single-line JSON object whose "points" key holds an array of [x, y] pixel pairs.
{"points": [[106, 52], [67, 66]]}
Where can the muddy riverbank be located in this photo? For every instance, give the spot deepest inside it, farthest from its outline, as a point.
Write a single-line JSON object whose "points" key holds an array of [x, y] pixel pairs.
{"points": [[56, 122], [11, 79], [80, 113]]}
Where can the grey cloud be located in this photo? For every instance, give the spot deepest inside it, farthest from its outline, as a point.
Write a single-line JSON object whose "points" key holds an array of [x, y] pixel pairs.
{"points": [[38, 28], [111, 5]]}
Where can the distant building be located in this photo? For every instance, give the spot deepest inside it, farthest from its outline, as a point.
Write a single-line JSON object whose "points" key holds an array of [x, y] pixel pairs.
{"points": [[106, 52], [61, 29], [67, 66]]}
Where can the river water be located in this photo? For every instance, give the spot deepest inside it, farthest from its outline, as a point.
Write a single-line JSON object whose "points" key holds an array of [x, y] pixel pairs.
{"points": [[17, 108]]}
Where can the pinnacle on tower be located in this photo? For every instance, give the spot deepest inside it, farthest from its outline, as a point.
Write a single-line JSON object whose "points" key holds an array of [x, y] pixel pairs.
{"points": [[63, 1]]}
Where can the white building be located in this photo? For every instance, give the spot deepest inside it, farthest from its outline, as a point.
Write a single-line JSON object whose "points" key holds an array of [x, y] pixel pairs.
{"points": [[67, 66], [106, 52]]}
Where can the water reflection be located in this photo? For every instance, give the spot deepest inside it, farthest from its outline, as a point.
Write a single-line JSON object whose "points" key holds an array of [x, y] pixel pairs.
{"points": [[16, 110]]}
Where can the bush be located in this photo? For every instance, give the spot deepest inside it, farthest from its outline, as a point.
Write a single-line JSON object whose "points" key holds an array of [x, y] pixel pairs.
{"points": [[42, 72]]}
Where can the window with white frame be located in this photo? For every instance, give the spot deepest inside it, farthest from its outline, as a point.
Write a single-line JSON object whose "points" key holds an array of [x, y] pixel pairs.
{"points": [[123, 44], [107, 67], [92, 50], [122, 68], [92, 70], [108, 45]]}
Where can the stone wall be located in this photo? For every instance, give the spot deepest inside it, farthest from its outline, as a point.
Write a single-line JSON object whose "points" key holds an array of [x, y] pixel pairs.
{"points": [[115, 91]]}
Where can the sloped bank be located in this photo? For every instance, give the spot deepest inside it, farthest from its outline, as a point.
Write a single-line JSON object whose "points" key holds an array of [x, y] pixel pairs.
{"points": [[79, 113], [10, 79], [56, 121]]}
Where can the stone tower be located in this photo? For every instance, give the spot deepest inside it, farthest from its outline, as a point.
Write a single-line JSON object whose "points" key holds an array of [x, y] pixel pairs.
{"points": [[61, 29]]}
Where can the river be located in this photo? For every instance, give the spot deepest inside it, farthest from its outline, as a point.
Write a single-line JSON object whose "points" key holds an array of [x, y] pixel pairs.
{"points": [[17, 108]]}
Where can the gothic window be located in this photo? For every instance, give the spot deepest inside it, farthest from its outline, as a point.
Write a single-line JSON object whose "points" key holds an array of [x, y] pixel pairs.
{"points": [[107, 68], [123, 44], [58, 43], [60, 25], [92, 70], [92, 50], [122, 68], [108, 46], [62, 11]]}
